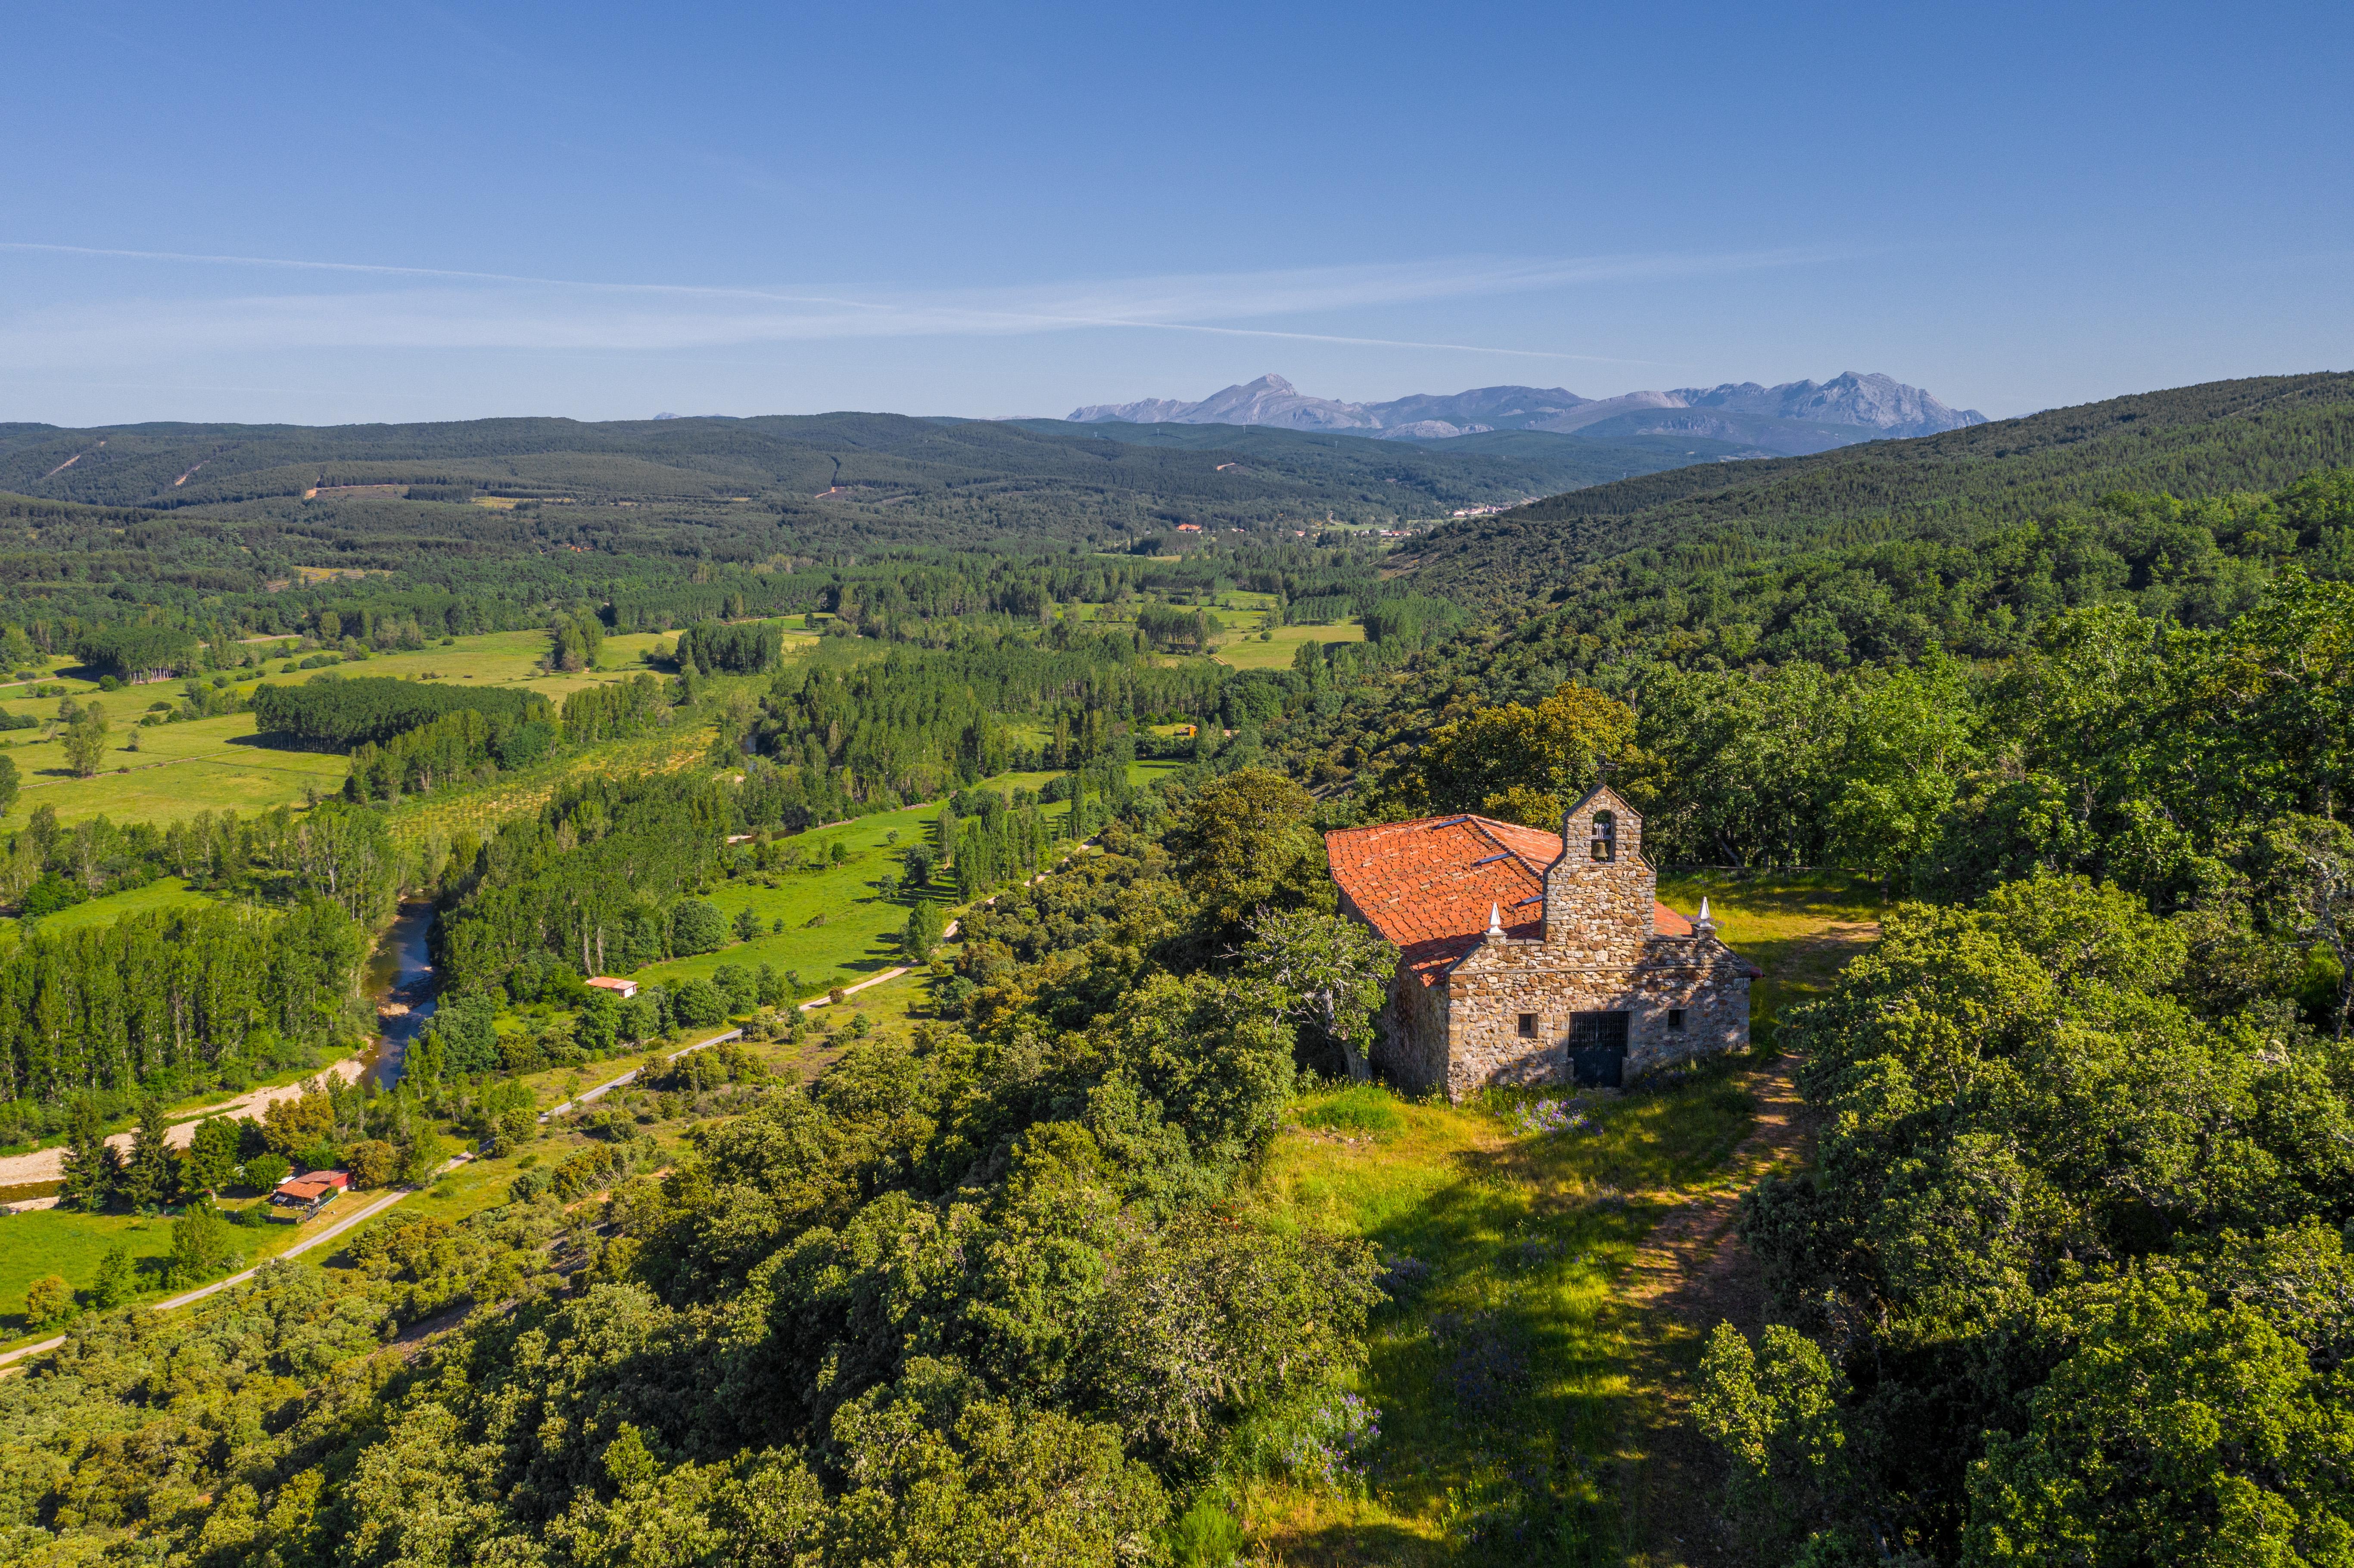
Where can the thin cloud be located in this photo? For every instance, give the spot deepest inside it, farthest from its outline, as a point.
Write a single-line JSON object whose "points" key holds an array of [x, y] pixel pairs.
{"points": [[450, 308]]}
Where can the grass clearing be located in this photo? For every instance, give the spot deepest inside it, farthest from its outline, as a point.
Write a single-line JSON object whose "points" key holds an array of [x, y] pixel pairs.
{"points": [[1247, 652], [54, 1241], [169, 893], [1800, 929], [1533, 1384], [855, 936], [1360, 1108], [1503, 1381], [176, 770], [70, 1244]]}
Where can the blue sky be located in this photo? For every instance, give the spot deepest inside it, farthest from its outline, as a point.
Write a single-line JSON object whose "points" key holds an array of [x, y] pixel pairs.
{"points": [[404, 212]]}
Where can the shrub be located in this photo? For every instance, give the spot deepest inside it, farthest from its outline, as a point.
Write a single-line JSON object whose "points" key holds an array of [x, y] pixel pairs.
{"points": [[735, 983], [116, 1283], [200, 1247], [49, 1301], [598, 1166], [698, 1002]]}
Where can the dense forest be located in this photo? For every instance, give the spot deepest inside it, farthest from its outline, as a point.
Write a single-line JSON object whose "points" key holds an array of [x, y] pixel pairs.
{"points": [[339, 712], [1131, 473], [968, 1297], [2063, 1278], [271, 528], [1965, 488]]}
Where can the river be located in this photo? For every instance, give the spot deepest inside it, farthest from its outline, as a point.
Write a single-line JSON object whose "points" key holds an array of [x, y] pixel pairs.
{"points": [[399, 981]]}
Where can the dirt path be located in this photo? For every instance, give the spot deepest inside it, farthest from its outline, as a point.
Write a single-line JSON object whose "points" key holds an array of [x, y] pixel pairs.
{"points": [[1691, 1274], [49, 1165]]}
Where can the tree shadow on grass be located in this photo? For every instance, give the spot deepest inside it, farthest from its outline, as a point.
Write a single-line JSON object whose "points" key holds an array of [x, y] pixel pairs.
{"points": [[1355, 1544], [1506, 1387]]}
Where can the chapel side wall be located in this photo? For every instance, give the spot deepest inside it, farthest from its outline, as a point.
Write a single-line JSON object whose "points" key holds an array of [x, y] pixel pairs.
{"points": [[1413, 1053]]}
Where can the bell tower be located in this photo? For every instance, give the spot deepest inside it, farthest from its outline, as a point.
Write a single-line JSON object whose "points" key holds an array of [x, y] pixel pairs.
{"points": [[1600, 894]]}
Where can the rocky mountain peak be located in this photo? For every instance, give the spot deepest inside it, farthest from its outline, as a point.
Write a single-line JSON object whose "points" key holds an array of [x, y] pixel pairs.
{"points": [[1872, 405]]}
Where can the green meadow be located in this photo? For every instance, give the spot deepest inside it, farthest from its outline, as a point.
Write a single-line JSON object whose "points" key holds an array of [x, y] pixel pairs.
{"points": [[69, 1245], [1519, 1374], [855, 928], [1246, 651], [838, 927], [168, 893], [1506, 1362], [1801, 929], [162, 772]]}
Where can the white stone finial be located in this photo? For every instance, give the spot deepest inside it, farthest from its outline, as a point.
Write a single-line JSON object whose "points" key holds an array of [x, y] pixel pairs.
{"points": [[1703, 907], [1495, 920]]}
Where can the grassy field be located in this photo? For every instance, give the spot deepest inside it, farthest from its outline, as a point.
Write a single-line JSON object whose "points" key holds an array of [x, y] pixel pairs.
{"points": [[68, 1244], [50, 1241], [852, 940], [1799, 930], [1502, 1384], [169, 893], [1525, 1385], [1247, 652], [857, 935], [168, 771], [178, 771]]}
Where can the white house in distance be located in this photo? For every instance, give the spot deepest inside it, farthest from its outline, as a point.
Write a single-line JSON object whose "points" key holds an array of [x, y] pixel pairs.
{"points": [[624, 989]]}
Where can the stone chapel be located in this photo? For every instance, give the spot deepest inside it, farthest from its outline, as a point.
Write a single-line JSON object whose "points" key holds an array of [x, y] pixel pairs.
{"points": [[1530, 959]]}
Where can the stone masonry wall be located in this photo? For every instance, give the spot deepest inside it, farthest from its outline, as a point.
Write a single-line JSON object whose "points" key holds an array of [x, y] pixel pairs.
{"points": [[1412, 1053], [1488, 992]]}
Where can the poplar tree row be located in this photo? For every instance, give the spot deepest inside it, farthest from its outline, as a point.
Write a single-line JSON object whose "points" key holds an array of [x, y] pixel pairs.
{"points": [[205, 995]]}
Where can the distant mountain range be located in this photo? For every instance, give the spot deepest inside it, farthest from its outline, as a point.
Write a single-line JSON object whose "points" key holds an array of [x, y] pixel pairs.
{"points": [[1793, 419]]}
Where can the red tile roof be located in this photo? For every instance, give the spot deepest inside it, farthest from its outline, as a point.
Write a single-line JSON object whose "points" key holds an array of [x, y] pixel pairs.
{"points": [[1429, 884]]}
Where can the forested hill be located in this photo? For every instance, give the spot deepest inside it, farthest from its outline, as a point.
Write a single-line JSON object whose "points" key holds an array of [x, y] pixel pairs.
{"points": [[2189, 441], [818, 472]]}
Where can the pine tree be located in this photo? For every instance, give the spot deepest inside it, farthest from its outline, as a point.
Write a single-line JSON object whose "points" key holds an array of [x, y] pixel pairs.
{"points": [[923, 931], [117, 1281], [91, 1168], [152, 1179], [210, 1163]]}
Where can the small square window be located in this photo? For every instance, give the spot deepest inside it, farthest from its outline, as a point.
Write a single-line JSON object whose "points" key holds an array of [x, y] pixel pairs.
{"points": [[1675, 1021], [1528, 1025]]}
